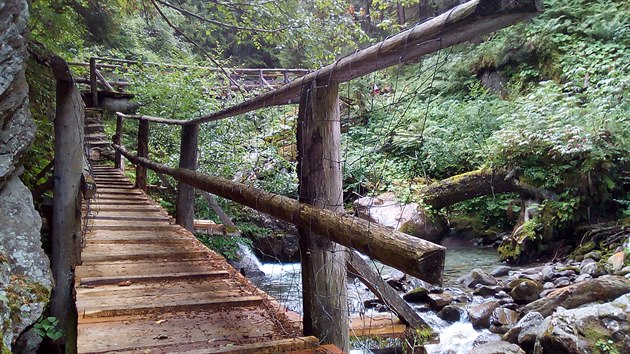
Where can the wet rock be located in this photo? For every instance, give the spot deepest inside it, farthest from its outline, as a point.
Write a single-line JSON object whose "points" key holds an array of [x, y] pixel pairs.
{"points": [[594, 255], [408, 218], [450, 313], [486, 338], [438, 301], [583, 277], [486, 290], [476, 277], [524, 332], [503, 317], [562, 282], [479, 314], [604, 288], [616, 261], [502, 295], [526, 290], [548, 273], [497, 348], [277, 247], [416, 295], [396, 279], [501, 271], [578, 330], [373, 303]]}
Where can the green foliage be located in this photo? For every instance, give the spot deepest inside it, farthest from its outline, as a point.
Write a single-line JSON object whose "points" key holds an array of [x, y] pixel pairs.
{"points": [[46, 327], [227, 246], [606, 346]]}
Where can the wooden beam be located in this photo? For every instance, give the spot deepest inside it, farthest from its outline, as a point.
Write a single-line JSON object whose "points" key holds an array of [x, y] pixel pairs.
{"points": [[152, 119], [68, 167], [185, 205], [143, 151], [414, 256], [93, 82], [460, 24], [359, 268], [102, 79], [117, 139], [324, 279]]}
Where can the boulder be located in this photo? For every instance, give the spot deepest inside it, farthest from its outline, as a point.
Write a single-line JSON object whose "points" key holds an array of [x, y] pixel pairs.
{"points": [[583, 329], [594, 255], [411, 219], [548, 273], [479, 314], [503, 317], [525, 290], [616, 261], [438, 301], [562, 282], [497, 348], [476, 277], [25, 278], [604, 288], [501, 271], [583, 277], [486, 290], [278, 247], [524, 332], [450, 313], [416, 295]]}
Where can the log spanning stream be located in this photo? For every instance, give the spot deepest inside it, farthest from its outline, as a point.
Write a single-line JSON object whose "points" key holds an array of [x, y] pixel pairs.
{"points": [[283, 282]]}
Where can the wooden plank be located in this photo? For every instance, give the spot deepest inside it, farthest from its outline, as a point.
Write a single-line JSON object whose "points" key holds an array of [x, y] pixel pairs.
{"points": [[181, 286], [151, 277], [110, 257], [168, 306], [386, 325]]}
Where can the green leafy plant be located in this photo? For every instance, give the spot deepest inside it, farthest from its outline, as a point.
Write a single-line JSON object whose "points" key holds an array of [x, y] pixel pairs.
{"points": [[225, 245], [607, 346], [46, 327]]}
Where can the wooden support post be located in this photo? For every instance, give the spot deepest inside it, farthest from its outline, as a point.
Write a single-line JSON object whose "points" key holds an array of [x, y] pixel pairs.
{"points": [[185, 208], [93, 82], [69, 163], [143, 151], [320, 184], [117, 140]]}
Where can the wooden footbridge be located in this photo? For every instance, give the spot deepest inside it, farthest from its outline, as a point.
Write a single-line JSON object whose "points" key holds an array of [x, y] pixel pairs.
{"points": [[143, 283]]}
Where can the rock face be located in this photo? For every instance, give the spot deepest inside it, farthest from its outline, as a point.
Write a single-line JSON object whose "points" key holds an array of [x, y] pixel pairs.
{"points": [[408, 218], [580, 330], [25, 279]]}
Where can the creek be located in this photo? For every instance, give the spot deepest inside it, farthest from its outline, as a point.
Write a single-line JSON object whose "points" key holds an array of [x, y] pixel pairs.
{"points": [[283, 282]]}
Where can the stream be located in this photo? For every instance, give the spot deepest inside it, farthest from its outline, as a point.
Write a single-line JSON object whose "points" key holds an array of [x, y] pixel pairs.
{"points": [[283, 282]]}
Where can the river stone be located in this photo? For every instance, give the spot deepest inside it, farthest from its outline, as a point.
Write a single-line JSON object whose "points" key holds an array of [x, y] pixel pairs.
{"points": [[504, 317], [535, 277], [579, 330], [594, 255], [501, 271], [604, 288], [497, 348], [616, 261], [476, 277], [583, 277], [562, 282], [549, 285], [416, 295], [438, 301], [486, 290], [524, 332], [479, 314], [526, 290], [411, 219], [547, 273], [624, 271], [450, 313]]}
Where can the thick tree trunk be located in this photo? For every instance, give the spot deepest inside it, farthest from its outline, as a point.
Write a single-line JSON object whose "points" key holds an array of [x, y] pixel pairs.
{"points": [[185, 208], [417, 257], [324, 280]]}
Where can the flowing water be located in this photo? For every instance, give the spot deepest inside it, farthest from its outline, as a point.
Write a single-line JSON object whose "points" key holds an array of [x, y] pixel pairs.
{"points": [[284, 282]]}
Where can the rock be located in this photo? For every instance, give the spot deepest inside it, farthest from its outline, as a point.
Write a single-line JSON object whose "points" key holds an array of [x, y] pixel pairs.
{"points": [[549, 285], [525, 330], [502, 295], [247, 263], [372, 303], [416, 295], [568, 273], [501, 271], [497, 348], [562, 282], [617, 261], [450, 313], [486, 338], [476, 277], [625, 270], [548, 273], [589, 268], [503, 317], [535, 277], [438, 301], [526, 291], [485, 290], [579, 330], [594, 255], [408, 218], [25, 278], [583, 277], [277, 248], [479, 314], [604, 288]]}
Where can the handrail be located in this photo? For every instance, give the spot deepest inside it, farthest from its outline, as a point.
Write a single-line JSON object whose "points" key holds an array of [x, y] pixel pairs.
{"points": [[152, 119], [412, 255]]}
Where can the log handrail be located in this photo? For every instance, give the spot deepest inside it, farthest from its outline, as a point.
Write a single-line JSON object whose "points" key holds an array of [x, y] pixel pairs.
{"points": [[415, 256]]}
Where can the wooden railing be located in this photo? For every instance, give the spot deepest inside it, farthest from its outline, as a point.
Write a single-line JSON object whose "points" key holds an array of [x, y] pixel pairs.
{"points": [[319, 212]]}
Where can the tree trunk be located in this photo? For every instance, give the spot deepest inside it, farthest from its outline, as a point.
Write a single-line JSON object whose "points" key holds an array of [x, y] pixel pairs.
{"points": [[324, 280], [185, 207], [143, 151]]}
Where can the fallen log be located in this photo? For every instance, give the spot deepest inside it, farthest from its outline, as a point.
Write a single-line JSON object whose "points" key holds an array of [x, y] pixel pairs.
{"points": [[417, 257]]}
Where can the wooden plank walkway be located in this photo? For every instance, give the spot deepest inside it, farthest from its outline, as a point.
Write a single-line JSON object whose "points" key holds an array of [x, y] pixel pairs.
{"points": [[148, 286]]}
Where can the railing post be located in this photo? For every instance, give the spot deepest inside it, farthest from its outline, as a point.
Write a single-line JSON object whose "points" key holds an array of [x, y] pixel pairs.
{"points": [[93, 82], [143, 151], [320, 183], [185, 207], [117, 139]]}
